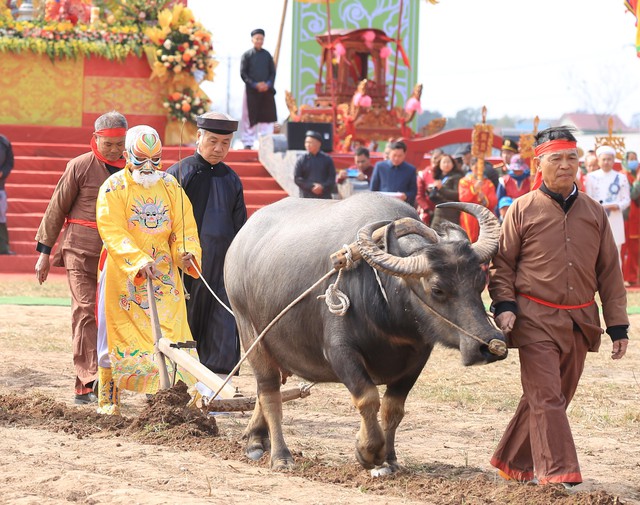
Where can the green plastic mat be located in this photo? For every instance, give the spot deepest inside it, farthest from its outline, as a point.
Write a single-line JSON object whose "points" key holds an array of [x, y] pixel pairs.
{"points": [[35, 300]]}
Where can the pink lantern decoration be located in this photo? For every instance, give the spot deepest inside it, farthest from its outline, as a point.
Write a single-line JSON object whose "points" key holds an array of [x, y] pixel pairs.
{"points": [[340, 51], [365, 101], [413, 105], [385, 52], [369, 36]]}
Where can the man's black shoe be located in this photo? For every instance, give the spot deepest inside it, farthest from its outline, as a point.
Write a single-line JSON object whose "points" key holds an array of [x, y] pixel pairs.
{"points": [[85, 399]]}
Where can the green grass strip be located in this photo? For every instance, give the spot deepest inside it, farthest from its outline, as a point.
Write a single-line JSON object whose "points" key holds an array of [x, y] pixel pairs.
{"points": [[35, 300]]}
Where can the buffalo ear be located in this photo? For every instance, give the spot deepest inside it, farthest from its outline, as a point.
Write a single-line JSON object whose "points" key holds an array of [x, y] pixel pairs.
{"points": [[451, 232], [390, 243]]}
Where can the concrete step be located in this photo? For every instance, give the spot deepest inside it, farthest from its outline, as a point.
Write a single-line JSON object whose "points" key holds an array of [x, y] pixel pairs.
{"points": [[21, 234], [249, 169], [66, 151], [25, 219], [260, 183], [19, 176], [27, 247], [251, 208], [263, 197], [37, 191], [27, 205], [41, 164], [69, 151]]}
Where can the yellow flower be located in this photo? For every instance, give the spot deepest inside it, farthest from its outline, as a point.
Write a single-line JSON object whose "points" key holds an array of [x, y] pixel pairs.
{"points": [[155, 34], [177, 12], [164, 18], [159, 69]]}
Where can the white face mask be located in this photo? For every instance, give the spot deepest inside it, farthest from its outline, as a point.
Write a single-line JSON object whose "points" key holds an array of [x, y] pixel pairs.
{"points": [[145, 179]]}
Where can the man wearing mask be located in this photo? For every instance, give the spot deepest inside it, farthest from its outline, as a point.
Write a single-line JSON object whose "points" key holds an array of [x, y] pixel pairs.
{"points": [[148, 230]]}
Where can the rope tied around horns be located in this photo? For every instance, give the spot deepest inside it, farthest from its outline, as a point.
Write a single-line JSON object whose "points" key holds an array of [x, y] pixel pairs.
{"points": [[337, 301]]}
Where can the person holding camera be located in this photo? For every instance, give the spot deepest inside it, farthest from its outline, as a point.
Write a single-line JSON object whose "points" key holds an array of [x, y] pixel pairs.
{"points": [[444, 188]]}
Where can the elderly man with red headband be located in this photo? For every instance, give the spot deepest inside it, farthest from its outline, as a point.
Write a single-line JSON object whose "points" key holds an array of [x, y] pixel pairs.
{"points": [[74, 204], [556, 251]]}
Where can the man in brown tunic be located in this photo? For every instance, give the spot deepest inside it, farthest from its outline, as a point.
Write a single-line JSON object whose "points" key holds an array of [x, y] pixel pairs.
{"points": [[74, 203], [556, 250]]}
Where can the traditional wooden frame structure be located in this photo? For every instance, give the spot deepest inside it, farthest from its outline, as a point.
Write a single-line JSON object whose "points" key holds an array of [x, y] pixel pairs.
{"points": [[353, 67]]}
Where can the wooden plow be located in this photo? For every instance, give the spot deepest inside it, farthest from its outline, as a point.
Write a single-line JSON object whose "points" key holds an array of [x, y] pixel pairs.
{"points": [[228, 399]]}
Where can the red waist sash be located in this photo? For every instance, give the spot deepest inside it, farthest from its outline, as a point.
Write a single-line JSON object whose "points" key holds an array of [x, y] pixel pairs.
{"points": [[83, 222], [556, 305]]}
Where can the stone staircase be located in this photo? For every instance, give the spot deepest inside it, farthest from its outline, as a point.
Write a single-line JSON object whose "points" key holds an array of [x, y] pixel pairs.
{"points": [[38, 167]]}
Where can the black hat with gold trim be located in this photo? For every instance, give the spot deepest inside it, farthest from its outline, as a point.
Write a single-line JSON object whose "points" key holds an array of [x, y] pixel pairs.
{"points": [[509, 145]]}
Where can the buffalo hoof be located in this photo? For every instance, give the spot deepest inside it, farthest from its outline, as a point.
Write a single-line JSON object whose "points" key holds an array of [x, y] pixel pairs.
{"points": [[384, 470], [282, 464], [368, 458], [254, 453], [368, 464]]}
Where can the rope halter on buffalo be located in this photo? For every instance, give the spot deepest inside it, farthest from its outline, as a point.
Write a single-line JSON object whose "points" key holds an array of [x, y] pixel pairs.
{"points": [[346, 258]]}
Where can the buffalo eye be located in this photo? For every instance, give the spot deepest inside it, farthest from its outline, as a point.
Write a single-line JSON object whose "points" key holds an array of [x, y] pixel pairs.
{"points": [[437, 292]]}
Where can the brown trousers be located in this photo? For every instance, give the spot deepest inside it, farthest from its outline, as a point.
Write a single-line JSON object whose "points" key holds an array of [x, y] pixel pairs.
{"points": [[538, 440], [82, 284]]}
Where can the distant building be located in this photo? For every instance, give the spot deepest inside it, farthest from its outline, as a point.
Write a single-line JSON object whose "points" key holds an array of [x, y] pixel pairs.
{"points": [[595, 123], [589, 126]]}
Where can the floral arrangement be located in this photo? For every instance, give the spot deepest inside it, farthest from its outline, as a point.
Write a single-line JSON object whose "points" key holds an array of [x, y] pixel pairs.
{"points": [[71, 10], [185, 104], [65, 40], [5, 12], [133, 11], [184, 45], [178, 47]]}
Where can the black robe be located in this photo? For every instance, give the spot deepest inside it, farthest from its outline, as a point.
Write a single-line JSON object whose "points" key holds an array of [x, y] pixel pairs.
{"points": [[219, 209], [258, 66]]}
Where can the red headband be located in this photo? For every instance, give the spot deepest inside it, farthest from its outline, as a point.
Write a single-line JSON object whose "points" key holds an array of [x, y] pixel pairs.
{"points": [[111, 132], [108, 132], [553, 146]]}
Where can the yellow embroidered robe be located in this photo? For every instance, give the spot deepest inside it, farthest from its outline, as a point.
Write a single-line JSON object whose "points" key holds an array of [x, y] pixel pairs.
{"points": [[138, 225]]}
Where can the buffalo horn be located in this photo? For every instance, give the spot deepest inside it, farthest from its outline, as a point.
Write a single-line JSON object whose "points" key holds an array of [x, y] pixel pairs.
{"points": [[487, 244], [412, 266]]}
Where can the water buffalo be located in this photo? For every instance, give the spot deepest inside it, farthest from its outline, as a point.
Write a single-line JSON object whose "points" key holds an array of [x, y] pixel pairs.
{"points": [[390, 329]]}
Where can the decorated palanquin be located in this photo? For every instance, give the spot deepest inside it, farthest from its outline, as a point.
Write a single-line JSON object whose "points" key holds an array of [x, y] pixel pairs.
{"points": [[351, 91]]}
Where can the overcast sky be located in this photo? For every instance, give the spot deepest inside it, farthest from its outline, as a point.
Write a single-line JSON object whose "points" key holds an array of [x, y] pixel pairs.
{"points": [[517, 57]]}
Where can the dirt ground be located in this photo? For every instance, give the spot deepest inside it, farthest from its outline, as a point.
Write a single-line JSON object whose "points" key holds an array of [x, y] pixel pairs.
{"points": [[158, 453]]}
